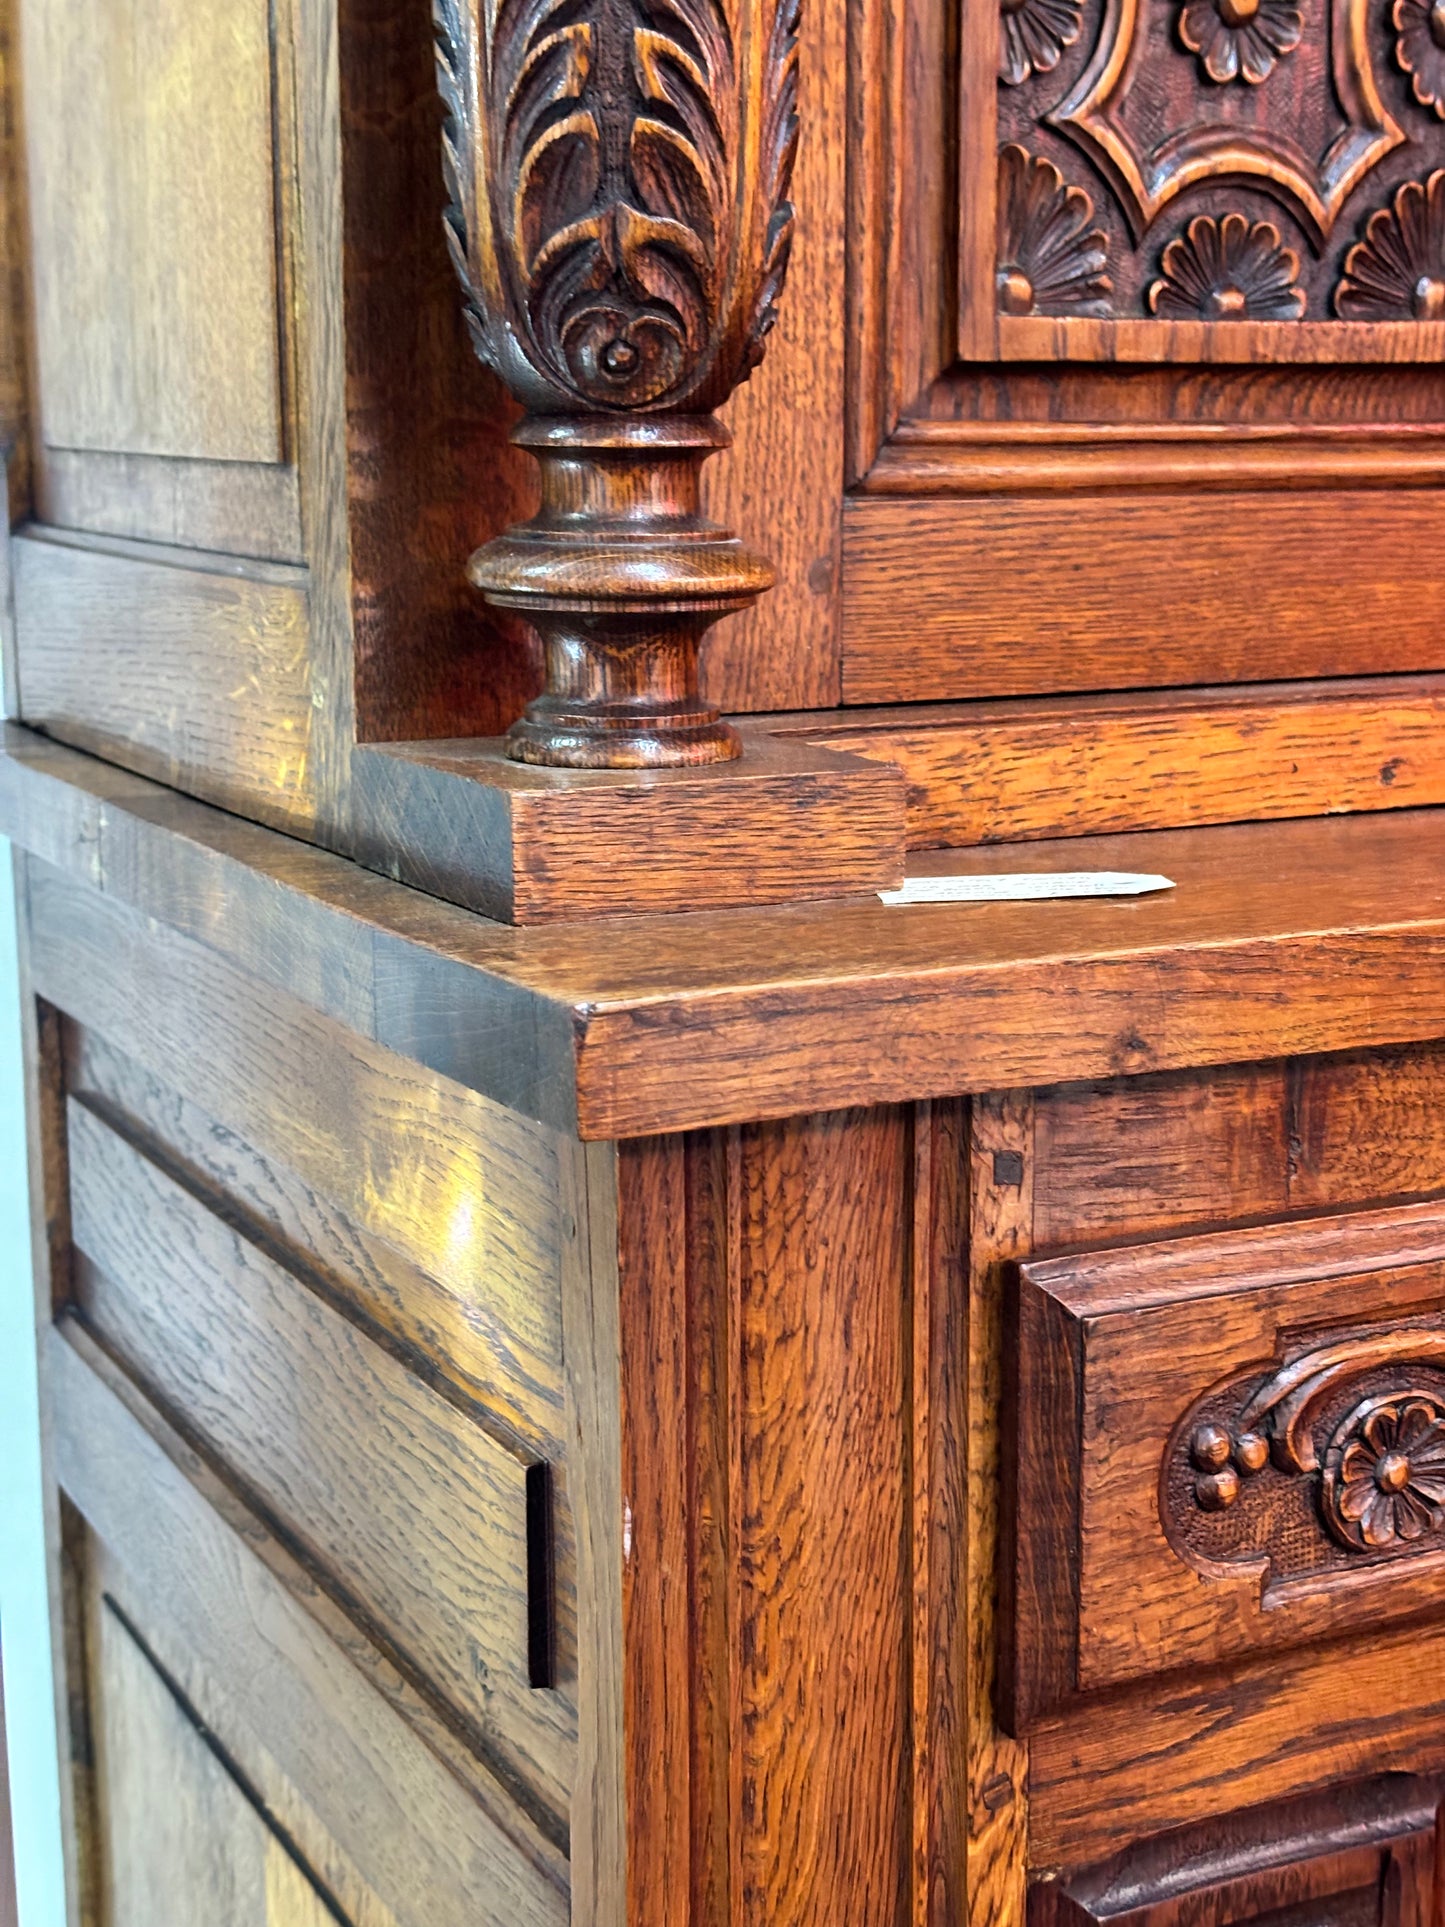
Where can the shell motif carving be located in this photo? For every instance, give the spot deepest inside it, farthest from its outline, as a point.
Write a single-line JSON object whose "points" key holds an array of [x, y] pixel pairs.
{"points": [[1420, 49], [1397, 273], [1229, 270], [1049, 259], [619, 245]]}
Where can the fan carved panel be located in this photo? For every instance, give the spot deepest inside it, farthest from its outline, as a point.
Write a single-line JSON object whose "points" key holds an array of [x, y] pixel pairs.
{"points": [[1226, 180]]}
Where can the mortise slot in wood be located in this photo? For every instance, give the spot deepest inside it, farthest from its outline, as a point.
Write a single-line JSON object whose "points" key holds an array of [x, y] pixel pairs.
{"points": [[541, 1578]]}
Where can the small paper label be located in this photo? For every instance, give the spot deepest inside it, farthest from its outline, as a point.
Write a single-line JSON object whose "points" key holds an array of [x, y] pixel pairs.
{"points": [[1027, 887]]}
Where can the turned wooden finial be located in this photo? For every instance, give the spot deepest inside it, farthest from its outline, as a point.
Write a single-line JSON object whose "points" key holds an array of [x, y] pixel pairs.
{"points": [[618, 172]]}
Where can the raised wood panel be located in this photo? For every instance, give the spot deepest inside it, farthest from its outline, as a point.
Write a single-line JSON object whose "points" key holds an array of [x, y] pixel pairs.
{"points": [[1198, 1744], [1087, 765], [406, 1506], [305, 1699], [234, 507], [180, 1839], [193, 669], [505, 1357], [1198, 1425], [1015, 596], [152, 177], [471, 1194]]}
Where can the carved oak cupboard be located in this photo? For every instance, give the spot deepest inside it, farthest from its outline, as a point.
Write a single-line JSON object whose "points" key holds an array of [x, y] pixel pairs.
{"points": [[593, 1368]]}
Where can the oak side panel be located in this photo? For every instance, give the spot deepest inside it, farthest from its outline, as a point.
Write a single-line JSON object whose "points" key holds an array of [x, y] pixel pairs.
{"points": [[427, 1829], [1012, 596], [469, 1193], [409, 1511], [180, 1839], [152, 182], [192, 669]]}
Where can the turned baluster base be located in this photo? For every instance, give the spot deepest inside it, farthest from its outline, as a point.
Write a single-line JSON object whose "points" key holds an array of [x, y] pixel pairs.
{"points": [[621, 576]]}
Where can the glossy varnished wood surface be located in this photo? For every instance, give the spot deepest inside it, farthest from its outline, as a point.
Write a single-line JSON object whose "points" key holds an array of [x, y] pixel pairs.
{"points": [[1278, 939]]}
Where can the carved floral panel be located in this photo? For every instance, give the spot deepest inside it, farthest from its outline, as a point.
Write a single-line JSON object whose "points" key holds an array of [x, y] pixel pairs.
{"points": [[1221, 161]]}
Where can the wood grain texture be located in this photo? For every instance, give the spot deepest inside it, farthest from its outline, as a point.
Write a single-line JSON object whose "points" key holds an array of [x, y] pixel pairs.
{"points": [[214, 1590], [1137, 592], [1145, 1155], [942, 1716], [332, 1127], [1199, 1746], [823, 1555], [180, 1838], [1000, 1190], [1366, 1124], [1089, 765], [786, 822], [191, 669], [152, 179], [302, 1411], [1280, 938]]}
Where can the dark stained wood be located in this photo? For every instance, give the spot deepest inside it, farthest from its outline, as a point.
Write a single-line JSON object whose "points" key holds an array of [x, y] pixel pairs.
{"points": [[1128, 596], [1367, 1124], [1089, 765], [787, 822], [619, 572], [1364, 1854]]}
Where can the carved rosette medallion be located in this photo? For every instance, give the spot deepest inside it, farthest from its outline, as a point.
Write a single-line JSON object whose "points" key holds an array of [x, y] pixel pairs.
{"points": [[1050, 259], [1383, 1482], [1397, 273], [1334, 1457], [1420, 49], [1150, 162], [618, 177], [1229, 270], [1240, 39]]}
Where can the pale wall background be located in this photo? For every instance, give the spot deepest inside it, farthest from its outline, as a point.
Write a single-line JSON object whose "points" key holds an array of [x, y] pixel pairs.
{"points": [[34, 1782]]}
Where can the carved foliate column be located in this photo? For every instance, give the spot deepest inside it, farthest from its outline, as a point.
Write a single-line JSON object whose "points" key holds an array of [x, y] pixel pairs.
{"points": [[618, 172]]}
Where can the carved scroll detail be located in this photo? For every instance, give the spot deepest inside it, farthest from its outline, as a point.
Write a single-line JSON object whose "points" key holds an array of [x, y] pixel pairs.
{"points": [[1148, 173], [1357, 1424]]}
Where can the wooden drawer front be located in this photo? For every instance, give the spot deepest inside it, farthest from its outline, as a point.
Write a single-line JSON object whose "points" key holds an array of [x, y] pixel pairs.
{"points": [[1357, 1856], [408, 1511], [1223, 1444]]}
